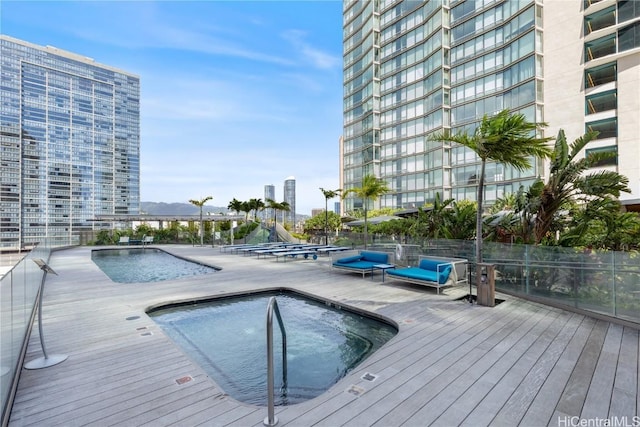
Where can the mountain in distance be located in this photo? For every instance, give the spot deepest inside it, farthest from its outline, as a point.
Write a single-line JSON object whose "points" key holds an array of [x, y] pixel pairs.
{"points": [[162, 208]]}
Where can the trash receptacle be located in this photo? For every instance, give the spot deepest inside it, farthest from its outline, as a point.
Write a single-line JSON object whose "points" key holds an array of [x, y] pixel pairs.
{"points": [[486, 274]]}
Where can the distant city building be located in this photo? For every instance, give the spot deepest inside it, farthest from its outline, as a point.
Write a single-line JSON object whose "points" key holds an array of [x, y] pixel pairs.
{"points": [[70, 134], [316, 211], [413, 68], [336, 207], [269, 194], [290, 198]]}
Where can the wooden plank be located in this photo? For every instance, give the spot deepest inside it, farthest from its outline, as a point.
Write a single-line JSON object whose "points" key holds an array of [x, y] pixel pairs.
{"points": [[488, 370], [575, 392], [497, 397], [598, 399], [624, 399], [541, 410], [521, 398]]}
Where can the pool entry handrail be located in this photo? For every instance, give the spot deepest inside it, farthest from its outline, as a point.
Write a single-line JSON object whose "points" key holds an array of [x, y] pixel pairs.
{"points": [[272, 307]]}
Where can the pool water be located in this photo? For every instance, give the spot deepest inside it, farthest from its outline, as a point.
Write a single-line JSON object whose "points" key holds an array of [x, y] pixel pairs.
{"points": [[227, 337], [145, 265]]}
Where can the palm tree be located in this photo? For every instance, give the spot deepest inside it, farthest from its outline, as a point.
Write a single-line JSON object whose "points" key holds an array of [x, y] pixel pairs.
{"points": [[255, 205], [328, 194], [504, 138], [371, 189], [567, 181], [236, 206], [200, 204], [272, 204], [246, 208]]}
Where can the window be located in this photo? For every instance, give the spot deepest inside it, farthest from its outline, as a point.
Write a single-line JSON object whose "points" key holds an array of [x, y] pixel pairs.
{"points": [[601, 102], [601, 47], [607, 128], [628, 9], [600, 75], [599, 20], [611, 155], [588, 3], [629, 37]]}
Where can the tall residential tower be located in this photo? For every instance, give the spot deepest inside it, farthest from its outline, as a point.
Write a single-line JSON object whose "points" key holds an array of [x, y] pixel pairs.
{"points": [[290, 198], [70, 143], [412, 68], [269, 194]]}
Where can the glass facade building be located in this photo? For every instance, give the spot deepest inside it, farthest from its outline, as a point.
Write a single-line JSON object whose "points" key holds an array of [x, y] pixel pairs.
{"points": [[290, 198], [269, 194], [412, 68], [69, 143]]}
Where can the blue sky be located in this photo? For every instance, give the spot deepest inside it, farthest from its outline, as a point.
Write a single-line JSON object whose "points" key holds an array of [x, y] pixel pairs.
{"points": [[234, 94]]}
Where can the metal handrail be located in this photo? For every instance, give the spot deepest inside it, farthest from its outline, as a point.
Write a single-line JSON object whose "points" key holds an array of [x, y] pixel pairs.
{"points": [[272, 307]]}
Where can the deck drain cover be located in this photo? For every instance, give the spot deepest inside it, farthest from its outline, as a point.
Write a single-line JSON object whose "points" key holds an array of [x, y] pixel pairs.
{"points": [[369, 377], [355, 390], [141, 328], [146, 334], [184, 380], [133, 318]]}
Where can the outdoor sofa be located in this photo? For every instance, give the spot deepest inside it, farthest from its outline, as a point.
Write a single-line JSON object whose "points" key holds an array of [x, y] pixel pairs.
{"points": [[359, 261], [436, 272]]}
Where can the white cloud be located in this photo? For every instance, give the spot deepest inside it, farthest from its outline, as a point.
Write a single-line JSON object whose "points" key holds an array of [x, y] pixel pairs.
{"points": [[315, 56]]}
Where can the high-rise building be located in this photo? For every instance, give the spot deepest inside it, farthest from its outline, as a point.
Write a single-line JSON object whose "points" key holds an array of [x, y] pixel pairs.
{"points": [[412, 68], [269, 194], [290, 198], [592, 80], [70, 143]]}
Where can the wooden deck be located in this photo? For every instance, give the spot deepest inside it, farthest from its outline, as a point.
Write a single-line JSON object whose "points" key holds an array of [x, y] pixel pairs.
{"points": [[451, 363]]}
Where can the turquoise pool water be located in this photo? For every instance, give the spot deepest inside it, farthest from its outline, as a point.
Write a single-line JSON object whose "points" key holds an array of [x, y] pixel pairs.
{"points": [[227, 337], [145, 265]]}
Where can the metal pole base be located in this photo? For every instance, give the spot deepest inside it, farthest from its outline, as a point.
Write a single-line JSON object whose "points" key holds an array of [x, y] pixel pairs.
{"points": [[45, 362], [268, 423]]}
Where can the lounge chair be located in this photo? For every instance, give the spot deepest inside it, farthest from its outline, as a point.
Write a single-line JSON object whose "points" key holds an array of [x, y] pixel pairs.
{"points": [[147, 240], [124, 240], [364, 262], [436, 272]]}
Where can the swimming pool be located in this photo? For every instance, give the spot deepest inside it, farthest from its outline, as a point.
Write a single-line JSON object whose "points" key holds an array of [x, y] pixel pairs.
{"points": [[145, 265], [227, 337]]}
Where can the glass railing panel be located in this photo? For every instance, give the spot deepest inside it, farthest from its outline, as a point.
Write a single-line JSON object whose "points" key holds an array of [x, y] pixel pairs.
{"points": [[18, 292], [603, 282]]}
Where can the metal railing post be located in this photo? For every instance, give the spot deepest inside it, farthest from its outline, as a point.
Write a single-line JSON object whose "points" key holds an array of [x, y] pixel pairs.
{"points": [[46, 360]]}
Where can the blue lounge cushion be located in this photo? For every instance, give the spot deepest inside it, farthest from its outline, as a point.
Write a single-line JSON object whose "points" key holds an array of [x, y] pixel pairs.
{"points": [[428, 270], [375, 257], [349, 259], [415, 273], [359, 265], [430, 264], [444, 274]]}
